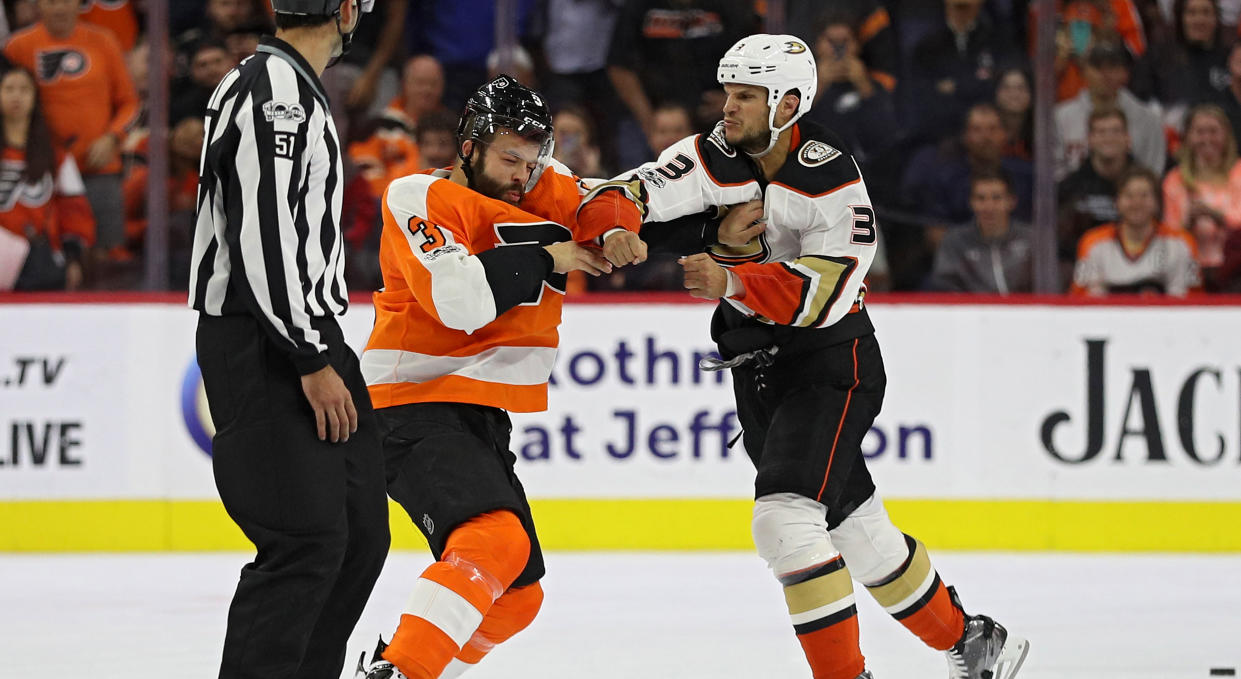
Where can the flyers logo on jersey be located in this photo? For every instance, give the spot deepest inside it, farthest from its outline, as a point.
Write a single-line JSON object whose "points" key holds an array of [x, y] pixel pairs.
{"points": [[817, 153], [55, 63], [14, 189], [279, 110]]}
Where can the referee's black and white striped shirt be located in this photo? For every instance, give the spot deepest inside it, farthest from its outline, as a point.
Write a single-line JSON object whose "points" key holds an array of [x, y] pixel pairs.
{"points": [[267, 241]]}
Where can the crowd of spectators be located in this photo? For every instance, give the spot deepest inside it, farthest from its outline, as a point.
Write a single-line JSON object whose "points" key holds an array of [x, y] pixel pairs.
{"points": [[934, 98]]}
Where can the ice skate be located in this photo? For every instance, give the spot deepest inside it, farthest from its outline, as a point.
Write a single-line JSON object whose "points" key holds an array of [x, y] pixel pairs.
{"points": [[986, 651], [379, 668]]}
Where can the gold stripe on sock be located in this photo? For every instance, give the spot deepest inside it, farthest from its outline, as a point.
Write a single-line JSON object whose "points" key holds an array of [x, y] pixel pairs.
{"points": [[821, 591], [906, 584]]}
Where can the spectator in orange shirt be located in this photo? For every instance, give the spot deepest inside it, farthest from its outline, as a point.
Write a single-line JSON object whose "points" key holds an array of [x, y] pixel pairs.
{"points": [[1203, 193], [422, 91], [115, 15], [185, 144], [41, 194], [1082, 24], [89, 98], [385, 153]]}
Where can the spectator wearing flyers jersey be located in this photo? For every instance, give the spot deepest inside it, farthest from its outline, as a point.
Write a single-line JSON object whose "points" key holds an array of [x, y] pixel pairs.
{"points": [[89, 100], [1137, 254], [41, 195]]}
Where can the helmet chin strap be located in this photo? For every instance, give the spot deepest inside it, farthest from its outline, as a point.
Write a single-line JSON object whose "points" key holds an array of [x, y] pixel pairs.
{"points": [[346, 39], [467, 165], [775, 134]]}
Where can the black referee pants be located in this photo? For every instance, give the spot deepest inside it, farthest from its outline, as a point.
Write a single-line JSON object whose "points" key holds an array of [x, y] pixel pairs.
{"points": [[316, 511]]}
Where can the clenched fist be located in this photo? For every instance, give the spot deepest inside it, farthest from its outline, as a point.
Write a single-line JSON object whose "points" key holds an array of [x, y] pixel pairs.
{"points": [[703, 277], [624, 247]]}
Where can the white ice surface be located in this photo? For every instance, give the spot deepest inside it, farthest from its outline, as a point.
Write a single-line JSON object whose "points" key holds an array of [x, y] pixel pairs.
{"points": [[674, 616]]}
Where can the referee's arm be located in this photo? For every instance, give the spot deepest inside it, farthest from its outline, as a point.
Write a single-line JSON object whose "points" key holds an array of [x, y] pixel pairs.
{"points": [[265, 249]]}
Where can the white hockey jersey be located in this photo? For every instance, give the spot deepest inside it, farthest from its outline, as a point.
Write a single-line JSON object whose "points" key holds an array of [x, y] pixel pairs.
{"points": [[808, 268]]}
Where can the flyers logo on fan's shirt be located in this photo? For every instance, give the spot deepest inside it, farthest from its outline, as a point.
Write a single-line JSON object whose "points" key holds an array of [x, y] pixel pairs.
{"points": [[55, 63]]}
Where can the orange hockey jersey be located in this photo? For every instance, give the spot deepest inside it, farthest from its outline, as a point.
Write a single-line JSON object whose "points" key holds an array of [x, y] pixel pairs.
{"points": [[84, 84], [449, 323], [114, 15]]}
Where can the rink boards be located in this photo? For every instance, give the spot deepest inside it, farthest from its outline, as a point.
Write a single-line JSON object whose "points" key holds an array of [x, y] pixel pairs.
{"points": [[1018, 427]]}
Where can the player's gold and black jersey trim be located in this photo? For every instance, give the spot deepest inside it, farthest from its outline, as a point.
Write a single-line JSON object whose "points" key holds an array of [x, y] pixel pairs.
{"points": [[267, 239], [725, 166], [632, 189], [823, 279], [757, 250]]}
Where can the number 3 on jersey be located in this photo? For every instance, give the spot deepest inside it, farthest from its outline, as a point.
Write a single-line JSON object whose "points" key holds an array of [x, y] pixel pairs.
{"points": [[434, 238], [863, 225]]}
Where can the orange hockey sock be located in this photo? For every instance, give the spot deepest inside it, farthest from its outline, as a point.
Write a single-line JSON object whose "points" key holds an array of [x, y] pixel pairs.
{"points": [[918, 599], [510, 614], [821, 606], [453, 596]]}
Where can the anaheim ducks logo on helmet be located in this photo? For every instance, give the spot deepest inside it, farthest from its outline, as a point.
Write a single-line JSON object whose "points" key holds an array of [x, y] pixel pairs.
{"points": [[781, 64]]}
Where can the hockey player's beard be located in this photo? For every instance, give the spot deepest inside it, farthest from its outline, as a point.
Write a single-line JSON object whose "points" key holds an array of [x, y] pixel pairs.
{"points": [[491, 188], [754, 142]]}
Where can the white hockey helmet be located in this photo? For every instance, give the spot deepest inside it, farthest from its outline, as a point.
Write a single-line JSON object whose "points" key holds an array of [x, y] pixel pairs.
{"points": [[780, 63]]}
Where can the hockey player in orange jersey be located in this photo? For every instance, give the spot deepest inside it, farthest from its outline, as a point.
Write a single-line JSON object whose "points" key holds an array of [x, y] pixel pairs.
{"points": [[465, 330]]}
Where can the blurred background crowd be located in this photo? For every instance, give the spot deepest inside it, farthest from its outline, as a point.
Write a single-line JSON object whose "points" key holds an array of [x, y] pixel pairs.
{"points": [[934, 98]]}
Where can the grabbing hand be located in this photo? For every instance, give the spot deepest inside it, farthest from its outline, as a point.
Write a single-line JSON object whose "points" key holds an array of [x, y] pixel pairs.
{"points": [[570, 256], [742, 224], [624, 247], [335, 416], [703, 277]]}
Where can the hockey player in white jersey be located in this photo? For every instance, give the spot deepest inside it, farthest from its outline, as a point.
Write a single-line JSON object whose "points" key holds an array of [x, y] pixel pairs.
{"points": [[788, 263]]}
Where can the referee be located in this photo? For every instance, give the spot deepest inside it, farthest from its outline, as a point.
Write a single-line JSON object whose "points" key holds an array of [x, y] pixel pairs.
{"points": [[296, 452]]}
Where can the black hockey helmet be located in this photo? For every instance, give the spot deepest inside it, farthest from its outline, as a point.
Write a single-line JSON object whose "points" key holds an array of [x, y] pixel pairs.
{"points": [[325, 8], [506, 103]]}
